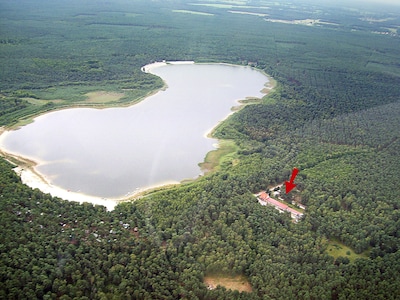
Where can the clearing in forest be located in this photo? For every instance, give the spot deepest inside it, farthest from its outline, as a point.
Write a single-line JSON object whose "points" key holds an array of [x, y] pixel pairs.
{"points": [[338, 249], [239, 282]]}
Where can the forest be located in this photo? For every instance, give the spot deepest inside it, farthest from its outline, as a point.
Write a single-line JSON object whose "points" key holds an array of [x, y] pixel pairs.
{"points": [[334, 114]]}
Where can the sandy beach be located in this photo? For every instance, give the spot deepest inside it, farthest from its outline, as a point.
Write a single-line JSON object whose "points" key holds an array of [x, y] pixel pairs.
{"points": [[34, 180], [31, 179], [148, 68]]}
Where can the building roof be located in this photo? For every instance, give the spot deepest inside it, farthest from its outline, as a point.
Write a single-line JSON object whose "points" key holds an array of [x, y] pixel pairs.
{"points": [[263, 196], [266, 198]]}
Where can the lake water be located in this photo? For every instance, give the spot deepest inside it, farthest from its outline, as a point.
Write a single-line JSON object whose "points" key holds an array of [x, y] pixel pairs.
{"points": [[113, 152]]}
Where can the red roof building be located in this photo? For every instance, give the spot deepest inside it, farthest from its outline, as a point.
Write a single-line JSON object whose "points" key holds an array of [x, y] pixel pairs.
{"points": [[265, 199]]}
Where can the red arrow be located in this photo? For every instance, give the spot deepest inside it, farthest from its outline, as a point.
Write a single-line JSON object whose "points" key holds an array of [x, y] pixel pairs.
{"points": [[289, 184]]}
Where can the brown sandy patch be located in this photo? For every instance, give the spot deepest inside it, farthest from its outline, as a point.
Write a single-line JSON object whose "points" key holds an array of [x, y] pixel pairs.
{"points": [[239, 283]]}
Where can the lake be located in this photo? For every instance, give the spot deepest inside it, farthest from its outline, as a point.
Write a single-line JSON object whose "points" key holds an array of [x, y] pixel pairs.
{"points": [[114, 152]]}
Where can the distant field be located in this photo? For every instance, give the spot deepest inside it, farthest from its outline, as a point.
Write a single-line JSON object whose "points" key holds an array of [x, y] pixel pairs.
{"points": [[192, 12]]}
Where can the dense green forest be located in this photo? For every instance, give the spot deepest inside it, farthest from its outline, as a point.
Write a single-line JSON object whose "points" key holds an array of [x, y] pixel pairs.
{"points": [[334, 114]]}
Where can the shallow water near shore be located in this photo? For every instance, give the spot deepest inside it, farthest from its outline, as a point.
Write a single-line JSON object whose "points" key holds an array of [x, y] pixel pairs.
{"points": [[115, 152]]}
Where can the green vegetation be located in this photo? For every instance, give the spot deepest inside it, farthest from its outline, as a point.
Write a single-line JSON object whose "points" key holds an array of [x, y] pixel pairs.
{"points": [[225, 154], [342, 253], [334, 114]]}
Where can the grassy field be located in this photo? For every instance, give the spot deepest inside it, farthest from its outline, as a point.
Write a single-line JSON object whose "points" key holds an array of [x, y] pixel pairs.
{"points": [[103, 97], [338, 249]]}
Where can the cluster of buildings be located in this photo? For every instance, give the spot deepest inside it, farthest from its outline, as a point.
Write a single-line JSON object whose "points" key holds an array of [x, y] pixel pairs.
{"points": [[265, 199]]}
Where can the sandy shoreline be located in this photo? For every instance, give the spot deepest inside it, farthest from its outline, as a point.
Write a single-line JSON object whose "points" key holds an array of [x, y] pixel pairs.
{"points": [[29, 176], [148, 68], [33, 180]]}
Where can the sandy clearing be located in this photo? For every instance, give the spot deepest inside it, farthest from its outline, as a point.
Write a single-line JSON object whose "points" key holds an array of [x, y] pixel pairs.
{"points": [[239, 283]]}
